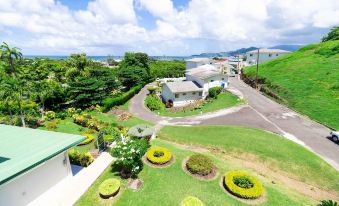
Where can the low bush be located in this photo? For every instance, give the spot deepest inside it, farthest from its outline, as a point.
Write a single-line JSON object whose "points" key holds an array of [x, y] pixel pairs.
{"points": [[243, 185], [81, 159], [153, 103], [328, 203], [109, 187], [159, 155], [51, 124], [122, 99], [191, 201], [200, 164], [50, 115], [89, 139], [152, 90], [214, 92]]}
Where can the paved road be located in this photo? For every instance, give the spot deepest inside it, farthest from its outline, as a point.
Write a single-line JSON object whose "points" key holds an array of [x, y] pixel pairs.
{"points": [[260, 112]]}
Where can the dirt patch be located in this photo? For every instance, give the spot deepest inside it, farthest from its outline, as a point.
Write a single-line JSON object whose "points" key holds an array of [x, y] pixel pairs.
{"points": [[122, 114], [272, 175], [259, 200], [167, 164], [212, 176]]}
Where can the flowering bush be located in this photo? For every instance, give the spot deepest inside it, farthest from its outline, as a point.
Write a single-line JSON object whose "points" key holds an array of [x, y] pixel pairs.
{"points": [[128, 153], [159, 155], [81, 159], [243, 185], [71, 111], [50, 115]]}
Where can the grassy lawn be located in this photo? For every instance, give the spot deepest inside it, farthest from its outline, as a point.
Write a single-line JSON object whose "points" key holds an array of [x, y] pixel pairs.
{"points": [[306, 80], [224, 100], [169, 186], [277, 151]]}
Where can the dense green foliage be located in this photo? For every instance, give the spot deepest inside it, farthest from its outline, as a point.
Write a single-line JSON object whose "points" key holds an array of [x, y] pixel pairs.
{"points": [[332, 35], [167, 69], [121, 98], [328, 203], [199, 164], [214, 92], [79, 158], [277, 152], [305, 80], [153, 103]]}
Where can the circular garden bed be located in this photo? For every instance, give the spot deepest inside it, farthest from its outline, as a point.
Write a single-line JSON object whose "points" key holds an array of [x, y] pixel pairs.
{"points": [[109, 188], [191, 201], [200, 166], [159, 156], [242, 185]]}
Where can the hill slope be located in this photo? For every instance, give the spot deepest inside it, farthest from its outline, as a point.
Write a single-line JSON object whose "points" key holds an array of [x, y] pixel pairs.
{"points": [[306, 80]]}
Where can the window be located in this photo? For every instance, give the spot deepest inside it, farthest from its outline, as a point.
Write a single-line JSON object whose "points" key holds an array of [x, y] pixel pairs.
{"points": [[277, 55], [251, 55], [212, 80], [176, 95], [269, 55], [223, 78], [200, 93], [183, 93], [193, 93]]}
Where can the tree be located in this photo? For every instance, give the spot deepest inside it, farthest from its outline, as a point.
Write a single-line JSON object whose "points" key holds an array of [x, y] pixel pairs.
{"points": [[11, 55], [78, 61], [111, 61], [332, 35]]}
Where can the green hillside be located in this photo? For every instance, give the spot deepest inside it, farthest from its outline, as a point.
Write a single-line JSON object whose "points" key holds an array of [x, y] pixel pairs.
{"points": [[306, 80]]}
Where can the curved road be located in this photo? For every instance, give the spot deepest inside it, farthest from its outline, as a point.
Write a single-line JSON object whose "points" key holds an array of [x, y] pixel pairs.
{"points": [[260, 112]]}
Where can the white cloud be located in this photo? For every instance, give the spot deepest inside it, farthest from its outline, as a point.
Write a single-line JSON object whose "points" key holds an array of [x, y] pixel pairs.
{"points": [[201, 25]]}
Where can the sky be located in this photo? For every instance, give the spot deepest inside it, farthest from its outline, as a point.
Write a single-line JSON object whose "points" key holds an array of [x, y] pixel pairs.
{"points": [[161, 27]]}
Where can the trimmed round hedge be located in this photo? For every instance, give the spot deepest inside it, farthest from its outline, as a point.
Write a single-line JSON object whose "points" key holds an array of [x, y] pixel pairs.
{"points": [[109, 188], [200, 164], [243, 185], [192, 201], [159, 155]]}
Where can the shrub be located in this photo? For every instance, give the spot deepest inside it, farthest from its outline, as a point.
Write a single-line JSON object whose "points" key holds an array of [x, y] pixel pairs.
{"points": [[328, 203], [122, 99], [81, 159], [141, 131], [214, 92], [50, 115], [109, 187], [128, 153], [243, 185], [159, 155], [200, 164], [191, 201], [89, 139], [52, 124], [152, 90], [153, 103], [61, 115], [71, 111]]}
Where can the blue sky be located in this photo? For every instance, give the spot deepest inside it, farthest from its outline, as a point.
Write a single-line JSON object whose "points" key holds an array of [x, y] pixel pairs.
{"points": [[161, 27]]}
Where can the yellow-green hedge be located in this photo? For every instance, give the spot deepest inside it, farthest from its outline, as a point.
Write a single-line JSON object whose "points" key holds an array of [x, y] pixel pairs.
{"points": [[109, 187], [191, 201], [166, 157], [89, 139], [247, 193]]}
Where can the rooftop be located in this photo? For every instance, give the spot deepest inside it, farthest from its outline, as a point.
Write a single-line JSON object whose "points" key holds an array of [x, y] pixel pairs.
{"points": [[265, 50], [185, 86], [198, 60], [22, 149], [204, 71]]}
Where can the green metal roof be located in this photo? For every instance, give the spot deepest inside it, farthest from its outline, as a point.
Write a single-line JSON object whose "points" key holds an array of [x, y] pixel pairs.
{"points": [[22, 149]]}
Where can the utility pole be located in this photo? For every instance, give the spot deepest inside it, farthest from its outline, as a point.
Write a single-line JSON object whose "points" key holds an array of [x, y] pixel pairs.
{"points": [[256, 76]]}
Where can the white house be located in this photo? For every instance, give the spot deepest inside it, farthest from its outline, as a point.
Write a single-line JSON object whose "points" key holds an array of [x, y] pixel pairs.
{"points": [[196, 62], [198, 81], [31, 162], [264, 55]]}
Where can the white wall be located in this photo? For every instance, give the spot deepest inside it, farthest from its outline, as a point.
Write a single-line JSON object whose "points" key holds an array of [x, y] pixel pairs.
{"points": [[262, 57], [166, 93], [188, 98], [194, 64], [30, 185], [206, 83]]}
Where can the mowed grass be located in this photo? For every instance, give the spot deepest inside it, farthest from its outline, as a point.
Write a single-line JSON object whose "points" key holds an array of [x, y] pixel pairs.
{"points": [[169, 186], [268, 148], [306, 80], [224, 100]]}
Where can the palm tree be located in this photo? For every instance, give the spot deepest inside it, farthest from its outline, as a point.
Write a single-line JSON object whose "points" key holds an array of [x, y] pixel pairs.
{"points": [[11, 55], [42, 90]]}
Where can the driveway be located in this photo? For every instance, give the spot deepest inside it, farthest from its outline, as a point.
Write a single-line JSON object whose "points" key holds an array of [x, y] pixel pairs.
{"points": [[260, 112]]}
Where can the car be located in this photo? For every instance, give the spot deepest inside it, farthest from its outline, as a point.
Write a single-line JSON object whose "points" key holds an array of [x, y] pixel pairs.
{"points": [[335, 136]]}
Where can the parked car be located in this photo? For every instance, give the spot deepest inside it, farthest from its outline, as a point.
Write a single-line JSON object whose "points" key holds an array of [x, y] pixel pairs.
{"points": [[335, 136]]}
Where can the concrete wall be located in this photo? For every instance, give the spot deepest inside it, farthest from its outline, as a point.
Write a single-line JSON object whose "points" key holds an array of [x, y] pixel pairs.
{"points": [[207, 83], [166, 93], [185, 98], [30, 185], [190, 65], [262, 57]]}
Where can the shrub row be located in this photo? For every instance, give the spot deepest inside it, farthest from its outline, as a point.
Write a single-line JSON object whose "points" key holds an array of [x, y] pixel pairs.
{"points": [[81, 159], [243, 185], [87, 120], [159, 155], [199, 164], [122, 99]]}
